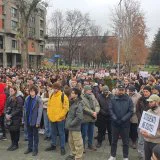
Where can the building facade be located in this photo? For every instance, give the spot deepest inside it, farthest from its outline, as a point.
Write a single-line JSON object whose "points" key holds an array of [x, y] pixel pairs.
{"points": [[10, 44]]}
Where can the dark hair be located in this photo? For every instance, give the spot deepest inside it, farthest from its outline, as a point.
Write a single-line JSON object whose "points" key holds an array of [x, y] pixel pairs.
{"points": [[57, 85], [34, 88], [77, 91], [156, 151]]}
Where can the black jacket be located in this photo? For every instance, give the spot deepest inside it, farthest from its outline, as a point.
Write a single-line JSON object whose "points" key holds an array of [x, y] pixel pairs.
{"points": [[14, 108], [121, 110], [104, 103]]}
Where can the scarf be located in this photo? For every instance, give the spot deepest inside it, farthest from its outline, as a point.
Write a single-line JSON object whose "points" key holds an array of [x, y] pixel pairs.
{"points": [[29, 109]]}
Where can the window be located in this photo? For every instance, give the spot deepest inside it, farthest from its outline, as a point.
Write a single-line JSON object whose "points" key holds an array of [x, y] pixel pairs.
{"points": [[14, 12], [32, 31], [41, 23], [3, 9], [32, 45], [1, 42], [41, 33], [14, 44], [32, 20], [2, 23], [41, 48], [41, 12], [14, 25]]}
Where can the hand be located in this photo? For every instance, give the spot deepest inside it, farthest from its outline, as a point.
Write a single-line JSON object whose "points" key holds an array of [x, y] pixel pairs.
{"points": [[37, 125], [95, 114], [144, 133], [8, 117]]}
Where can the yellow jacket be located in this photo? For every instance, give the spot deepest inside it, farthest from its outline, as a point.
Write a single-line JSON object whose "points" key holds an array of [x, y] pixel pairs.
{"points": [[57, 110]]}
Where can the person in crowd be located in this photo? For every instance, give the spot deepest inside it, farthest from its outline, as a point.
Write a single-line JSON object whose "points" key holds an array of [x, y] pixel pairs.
{"points": [[33, 114], [73, 124], [3, 99], [90, 110], [142, 105], [45, 97], [156, 90], [57, 116], [156, 152], [150, 140], [121, 110], [104, 118], [13, 116], [134, 120]]}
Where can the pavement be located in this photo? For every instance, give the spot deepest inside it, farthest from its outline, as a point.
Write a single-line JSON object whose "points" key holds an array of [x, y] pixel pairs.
{"points": [[101, 154]]}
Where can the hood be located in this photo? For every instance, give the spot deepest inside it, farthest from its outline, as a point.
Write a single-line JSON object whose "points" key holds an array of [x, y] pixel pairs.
{"points": [[19, 93]]}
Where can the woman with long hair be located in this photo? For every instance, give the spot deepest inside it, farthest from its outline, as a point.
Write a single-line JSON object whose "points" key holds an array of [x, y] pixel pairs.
{"points": [[13, 115]]}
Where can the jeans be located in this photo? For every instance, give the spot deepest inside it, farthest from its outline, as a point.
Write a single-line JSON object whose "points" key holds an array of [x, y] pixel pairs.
{"points": [[87, 131], [148, 147], [15, 137], [46, 124], [133, 132], [25, 131], [33, 138], [124, 133], [140, 144], [58, 127]]}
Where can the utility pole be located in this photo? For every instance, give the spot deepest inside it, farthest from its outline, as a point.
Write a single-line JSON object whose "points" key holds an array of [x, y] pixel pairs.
{"points": [[119, 39]]}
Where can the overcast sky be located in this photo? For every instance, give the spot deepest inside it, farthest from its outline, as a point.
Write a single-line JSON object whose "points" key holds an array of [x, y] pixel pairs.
{"points": [[99, 11]]}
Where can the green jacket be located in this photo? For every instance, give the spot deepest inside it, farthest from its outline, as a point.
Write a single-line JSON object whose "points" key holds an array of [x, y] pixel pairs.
{"points": [[90, 105]]}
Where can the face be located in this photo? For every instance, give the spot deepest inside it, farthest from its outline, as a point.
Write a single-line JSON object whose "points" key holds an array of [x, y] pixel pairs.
{"points": [[55, 90], [73, 95], [88, 92], [126, 82], [130, 93], [154, 91], [152, 104], [12, 91], [120, 92], [146, 93], [32, 93]]}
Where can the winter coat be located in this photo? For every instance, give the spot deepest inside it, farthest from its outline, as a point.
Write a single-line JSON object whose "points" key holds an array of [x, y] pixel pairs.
{"points": [[121, 110], [14, 108], [142, 105], [104, 105], [75, 116], [57, 110], [3, 98], [90, 105], [37, 110]]}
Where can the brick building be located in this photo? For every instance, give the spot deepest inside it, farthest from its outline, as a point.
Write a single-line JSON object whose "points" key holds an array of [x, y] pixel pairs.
{"points": [[10, 45]]}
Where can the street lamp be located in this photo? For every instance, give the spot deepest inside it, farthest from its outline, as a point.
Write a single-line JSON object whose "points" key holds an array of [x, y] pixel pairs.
{"points": [[119, 41]]}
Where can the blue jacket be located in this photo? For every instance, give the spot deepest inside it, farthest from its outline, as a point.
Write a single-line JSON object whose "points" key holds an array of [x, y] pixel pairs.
{"points": [[121, 110], [37, 110]]}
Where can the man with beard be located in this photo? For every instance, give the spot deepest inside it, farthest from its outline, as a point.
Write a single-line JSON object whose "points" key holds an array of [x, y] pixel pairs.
{"points": [[150, 140], [142, 105], [121, 109], [104, 117]]}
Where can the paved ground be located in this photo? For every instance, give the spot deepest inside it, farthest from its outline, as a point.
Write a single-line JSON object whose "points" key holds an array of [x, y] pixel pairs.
{"points": [[100, 154]]}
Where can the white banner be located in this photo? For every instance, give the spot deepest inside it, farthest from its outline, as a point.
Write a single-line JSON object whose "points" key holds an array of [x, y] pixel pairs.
{"points": [[149, 123]]}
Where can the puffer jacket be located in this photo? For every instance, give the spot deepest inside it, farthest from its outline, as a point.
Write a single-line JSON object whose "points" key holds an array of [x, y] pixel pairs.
{"points": [[75, 116], [121, 110]]}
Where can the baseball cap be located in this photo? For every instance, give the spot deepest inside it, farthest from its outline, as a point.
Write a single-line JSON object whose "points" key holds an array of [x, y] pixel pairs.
{"points": [[153, 97], [132, 88], [121, 86], [87, 87]]}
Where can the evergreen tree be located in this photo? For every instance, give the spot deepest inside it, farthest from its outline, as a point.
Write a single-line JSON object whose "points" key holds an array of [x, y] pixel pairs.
{"points": [[154, 57]]}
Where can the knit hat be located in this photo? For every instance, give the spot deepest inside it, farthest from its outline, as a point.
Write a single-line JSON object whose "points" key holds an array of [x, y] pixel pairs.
{"points": [[105, 89], [121, 86], [87, 87], [157, 87], [148, 88]]}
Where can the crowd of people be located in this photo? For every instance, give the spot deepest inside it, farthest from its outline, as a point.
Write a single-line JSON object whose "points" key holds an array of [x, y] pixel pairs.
{"points": [[71, 105]]}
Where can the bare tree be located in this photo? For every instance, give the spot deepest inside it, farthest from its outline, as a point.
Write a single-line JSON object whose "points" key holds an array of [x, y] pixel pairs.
{"points": [[130, 21], [77, 28], [26, 9]]}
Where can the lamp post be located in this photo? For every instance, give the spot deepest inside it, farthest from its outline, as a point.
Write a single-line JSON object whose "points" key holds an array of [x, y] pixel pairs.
{"points": [[119, 40]]}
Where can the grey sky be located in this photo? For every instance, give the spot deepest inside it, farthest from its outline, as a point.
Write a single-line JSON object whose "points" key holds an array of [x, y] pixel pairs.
{"points": [[99, 11]]}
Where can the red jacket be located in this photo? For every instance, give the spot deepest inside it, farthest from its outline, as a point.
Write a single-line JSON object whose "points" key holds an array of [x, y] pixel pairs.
{"points": [[2, 98]]}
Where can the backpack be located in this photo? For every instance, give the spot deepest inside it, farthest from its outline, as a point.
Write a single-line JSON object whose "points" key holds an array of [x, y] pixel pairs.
{"points": [[62, 97]]}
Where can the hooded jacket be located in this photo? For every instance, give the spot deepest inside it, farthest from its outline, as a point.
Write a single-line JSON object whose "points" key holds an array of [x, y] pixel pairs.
{"points": [[3, 98]]}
